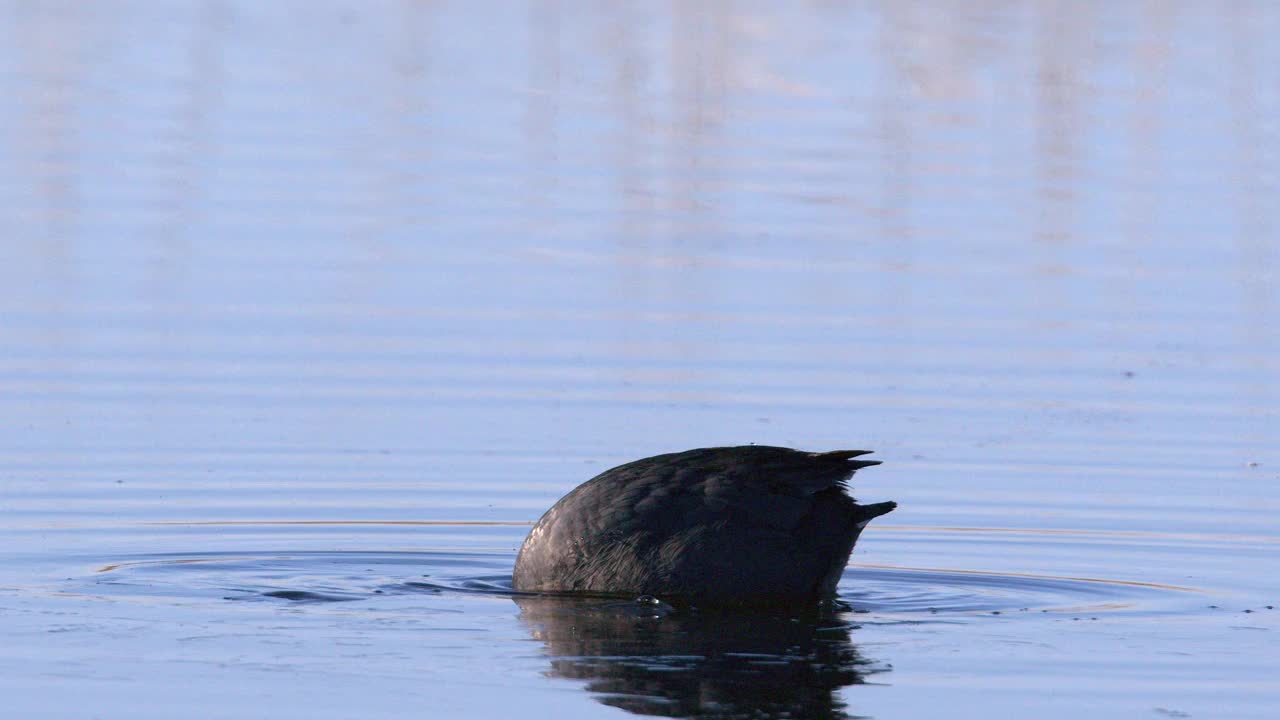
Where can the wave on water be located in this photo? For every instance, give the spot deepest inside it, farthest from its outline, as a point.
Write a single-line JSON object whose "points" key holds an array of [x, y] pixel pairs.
{"points": [[894, 593]]}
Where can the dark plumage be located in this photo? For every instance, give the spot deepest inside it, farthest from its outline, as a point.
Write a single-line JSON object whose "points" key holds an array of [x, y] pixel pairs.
{"points": [[749, 525]]}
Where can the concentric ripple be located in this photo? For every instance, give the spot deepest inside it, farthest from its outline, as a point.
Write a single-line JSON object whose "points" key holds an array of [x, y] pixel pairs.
{"points": [[316, 576], [319, 576], [914, 590]]}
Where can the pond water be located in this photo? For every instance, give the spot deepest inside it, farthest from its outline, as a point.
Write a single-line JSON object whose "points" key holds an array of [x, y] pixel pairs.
{"points": [[307, 312]]}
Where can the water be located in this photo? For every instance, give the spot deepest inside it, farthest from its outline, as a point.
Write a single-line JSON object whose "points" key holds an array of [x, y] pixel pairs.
{"points": [[307, 312]]}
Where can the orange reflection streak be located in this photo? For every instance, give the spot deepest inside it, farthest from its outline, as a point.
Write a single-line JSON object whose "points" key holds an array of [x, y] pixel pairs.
{"points": [[501, 523], [879, 528], [188, 561], [1081, 533], [1034, 576]]}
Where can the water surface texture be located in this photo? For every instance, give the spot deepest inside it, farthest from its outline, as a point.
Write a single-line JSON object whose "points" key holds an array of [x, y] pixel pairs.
{"points": [[307, 311]]}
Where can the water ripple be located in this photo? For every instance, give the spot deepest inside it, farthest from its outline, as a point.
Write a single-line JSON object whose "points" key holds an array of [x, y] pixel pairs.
{"points": [[335, 576]]}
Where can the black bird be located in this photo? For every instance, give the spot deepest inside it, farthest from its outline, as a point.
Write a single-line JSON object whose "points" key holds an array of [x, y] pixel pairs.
{"points": [[750, 525]]}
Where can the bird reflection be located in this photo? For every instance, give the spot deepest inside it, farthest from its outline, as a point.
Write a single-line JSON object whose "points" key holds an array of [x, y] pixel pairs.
{"points": [[650, 658]]}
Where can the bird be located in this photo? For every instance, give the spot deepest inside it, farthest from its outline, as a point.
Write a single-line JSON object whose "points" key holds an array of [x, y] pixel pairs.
{"points": [[750, 525]]}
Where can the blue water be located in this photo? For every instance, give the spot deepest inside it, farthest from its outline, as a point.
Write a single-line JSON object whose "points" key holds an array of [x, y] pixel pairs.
{"points": [[307, 312]]}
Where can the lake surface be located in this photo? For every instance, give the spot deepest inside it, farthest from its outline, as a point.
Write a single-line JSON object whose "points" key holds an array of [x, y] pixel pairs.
{"points": [[307, 312]]}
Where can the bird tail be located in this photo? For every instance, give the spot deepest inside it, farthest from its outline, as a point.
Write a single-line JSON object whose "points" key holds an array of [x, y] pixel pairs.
{"points": [[848, 457], [867, 513]]}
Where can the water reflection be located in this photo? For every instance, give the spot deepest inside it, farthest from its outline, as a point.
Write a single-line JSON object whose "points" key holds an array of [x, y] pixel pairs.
{"points": [[656, 660]]}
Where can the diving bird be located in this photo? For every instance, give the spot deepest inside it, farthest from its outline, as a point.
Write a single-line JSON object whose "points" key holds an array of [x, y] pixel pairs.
{"points": [[727, 526]]}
